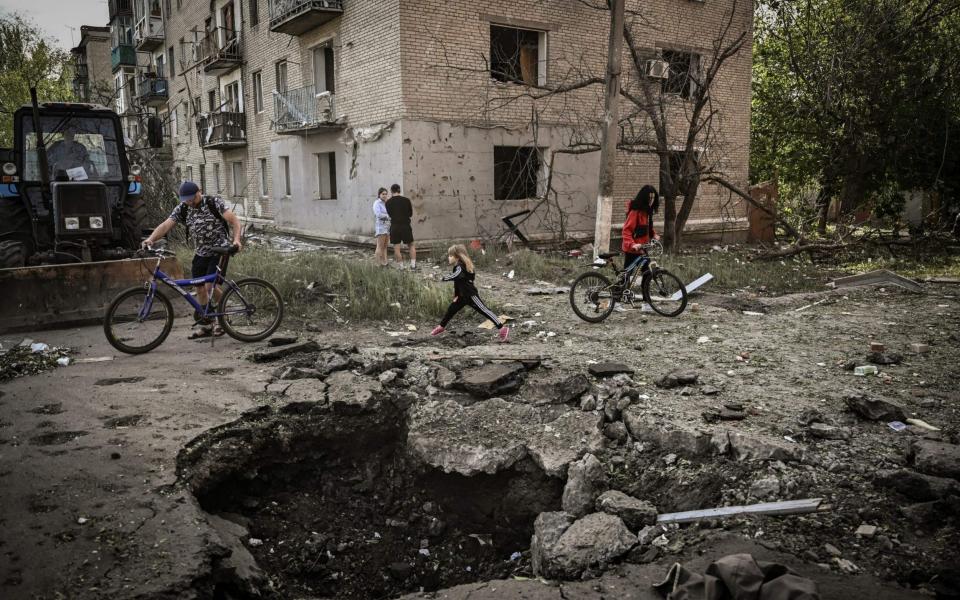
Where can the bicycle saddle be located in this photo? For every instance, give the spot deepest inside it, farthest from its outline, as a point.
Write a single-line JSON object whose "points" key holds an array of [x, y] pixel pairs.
{"points": [[230, 250]]}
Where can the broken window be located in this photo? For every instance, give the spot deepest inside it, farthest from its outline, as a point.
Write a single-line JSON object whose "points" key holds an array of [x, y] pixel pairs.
{"points": [[326, 176], [516, 172], [515, 55], [681, 79]]}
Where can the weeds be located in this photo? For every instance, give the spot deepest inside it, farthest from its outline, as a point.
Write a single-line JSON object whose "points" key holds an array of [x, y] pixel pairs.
{"points": [[526, 264], [318, 285]]}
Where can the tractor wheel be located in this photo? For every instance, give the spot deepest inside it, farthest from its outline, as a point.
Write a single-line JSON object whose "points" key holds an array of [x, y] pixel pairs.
{"points": [[133, 221], [13, 254]]}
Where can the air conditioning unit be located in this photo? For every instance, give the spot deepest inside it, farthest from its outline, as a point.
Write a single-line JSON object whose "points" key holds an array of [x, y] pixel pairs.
{"points": [[658, 69]]}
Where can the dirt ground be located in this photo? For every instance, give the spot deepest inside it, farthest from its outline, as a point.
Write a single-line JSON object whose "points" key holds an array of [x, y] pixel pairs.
{"points": [[93, 506]]}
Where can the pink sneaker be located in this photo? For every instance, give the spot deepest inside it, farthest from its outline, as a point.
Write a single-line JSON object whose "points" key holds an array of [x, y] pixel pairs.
{"points": [[504, 333], [437, 330]]}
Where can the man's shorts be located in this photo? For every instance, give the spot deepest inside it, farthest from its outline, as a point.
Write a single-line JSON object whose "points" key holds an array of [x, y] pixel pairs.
{"points": [[401, 233], [204, 265]]}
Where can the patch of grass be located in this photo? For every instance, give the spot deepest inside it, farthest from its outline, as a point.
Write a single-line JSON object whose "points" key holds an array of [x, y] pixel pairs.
{"points": [[530, 265], [322, 285], [734, 271]]}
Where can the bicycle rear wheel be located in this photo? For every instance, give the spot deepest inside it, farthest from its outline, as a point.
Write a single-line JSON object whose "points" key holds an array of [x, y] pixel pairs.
{"points": [[665, 293], [135, 323], [592, 297], [251, 310]]}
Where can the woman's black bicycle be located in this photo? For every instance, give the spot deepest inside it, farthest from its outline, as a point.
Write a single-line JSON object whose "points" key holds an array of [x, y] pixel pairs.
{"points": [[593, 296]]}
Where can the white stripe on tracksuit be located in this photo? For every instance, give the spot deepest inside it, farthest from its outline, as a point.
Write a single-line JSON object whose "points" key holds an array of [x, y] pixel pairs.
{"points": [[483, 308]]}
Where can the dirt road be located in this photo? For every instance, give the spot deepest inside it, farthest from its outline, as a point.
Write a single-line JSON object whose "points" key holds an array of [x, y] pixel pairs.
{"points": [[88, 452]]}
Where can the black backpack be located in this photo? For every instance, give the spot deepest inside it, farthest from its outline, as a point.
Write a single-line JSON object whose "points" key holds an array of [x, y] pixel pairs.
{"points": [[212, 207]]}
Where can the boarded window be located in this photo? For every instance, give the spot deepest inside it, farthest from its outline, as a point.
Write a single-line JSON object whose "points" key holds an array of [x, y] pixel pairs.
{"points": [[326, 176], [683, 71], [516, 171], [515, 55]]}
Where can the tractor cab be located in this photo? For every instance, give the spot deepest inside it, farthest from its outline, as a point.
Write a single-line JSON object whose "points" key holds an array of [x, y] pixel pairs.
{"points": [[68, 192]]}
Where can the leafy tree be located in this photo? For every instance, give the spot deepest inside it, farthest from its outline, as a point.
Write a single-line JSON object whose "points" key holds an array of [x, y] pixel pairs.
{"points": [[28, 59], [856, 99]]}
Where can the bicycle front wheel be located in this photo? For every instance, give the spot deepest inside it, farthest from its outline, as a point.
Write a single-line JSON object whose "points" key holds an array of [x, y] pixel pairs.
{"points": [[665, 293], [136, 322], [251, 309], [592, 297]]}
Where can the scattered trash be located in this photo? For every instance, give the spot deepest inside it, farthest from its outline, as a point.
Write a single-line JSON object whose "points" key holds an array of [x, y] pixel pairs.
{"points": [[751, 313], [484, 538], [865, 370], [489, 324], [696, 283], [877, 347], [515, 556], [424, 552], [510, 274], [897, 425], [880, 277], [703, 339], [803, 308], [63, 361], [82, 520], [254, 542], [920, 348], [787, 507], [922, 424], [411, 327], [575, 253], [39, 347], [866, 530]]}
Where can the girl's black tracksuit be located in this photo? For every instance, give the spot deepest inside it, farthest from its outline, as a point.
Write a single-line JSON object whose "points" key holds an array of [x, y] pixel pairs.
{"points": [[466, 295]]}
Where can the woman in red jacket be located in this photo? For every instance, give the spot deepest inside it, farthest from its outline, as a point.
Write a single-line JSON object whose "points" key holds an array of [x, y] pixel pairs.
{"points": [[638, 226]]}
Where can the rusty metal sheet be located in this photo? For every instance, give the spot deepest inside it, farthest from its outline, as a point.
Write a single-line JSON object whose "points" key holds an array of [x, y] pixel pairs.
{"points": [[59, 295]]}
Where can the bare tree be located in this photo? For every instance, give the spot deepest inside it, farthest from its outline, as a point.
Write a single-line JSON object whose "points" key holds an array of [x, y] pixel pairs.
{"points": [[669, 108]]}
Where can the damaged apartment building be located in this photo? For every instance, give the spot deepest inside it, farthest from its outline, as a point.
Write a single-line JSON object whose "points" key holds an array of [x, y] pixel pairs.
{"points": [[297, 111]]}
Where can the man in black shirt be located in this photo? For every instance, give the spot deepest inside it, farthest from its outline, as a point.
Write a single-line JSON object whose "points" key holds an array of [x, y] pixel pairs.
{"points": [[400, 210]]}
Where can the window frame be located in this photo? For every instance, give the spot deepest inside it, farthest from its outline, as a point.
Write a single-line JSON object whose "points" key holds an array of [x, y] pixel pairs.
{"points": [[540, 77], [257, 84], [500, 182], [236, 170], [264, 178], [285, 168], [330, 167]]}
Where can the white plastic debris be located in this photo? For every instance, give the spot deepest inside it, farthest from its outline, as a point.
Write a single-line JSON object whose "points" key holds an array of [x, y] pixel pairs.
{"points": [[39, 347], [254, 542], [82, 520], [63, 361], [424, 552], [897, 425], [703, 339], [515, 556], [510, 274]]}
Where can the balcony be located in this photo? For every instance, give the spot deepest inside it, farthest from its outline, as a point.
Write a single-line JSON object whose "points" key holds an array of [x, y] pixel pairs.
{"points": [[303, 109], [148, 34], [123, 55], [222, 130], [221, 51], [80, 71], [152, 90], [294, 17], [120, 7]]}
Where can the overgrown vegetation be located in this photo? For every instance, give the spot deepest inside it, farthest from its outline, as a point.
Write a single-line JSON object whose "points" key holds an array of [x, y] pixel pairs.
{"points": [[28, 59], [320, 285]]}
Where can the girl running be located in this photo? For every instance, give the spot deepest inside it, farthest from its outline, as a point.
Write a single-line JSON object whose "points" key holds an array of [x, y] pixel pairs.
{"points": [[465, 292]]}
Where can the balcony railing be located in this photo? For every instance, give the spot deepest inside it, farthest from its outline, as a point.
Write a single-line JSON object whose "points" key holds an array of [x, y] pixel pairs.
{"points": [[303, 109], [80, 71], [222, 130], [148, 34], [295, 17], [221, 50], [153, 91], [123, 54]]}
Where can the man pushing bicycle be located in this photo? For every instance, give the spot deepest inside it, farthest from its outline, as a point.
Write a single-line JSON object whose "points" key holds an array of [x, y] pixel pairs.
{"points": [[208, 222]]}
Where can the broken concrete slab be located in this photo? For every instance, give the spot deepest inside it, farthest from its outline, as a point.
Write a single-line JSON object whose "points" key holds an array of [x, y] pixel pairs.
{"points": [[679, 438], [547, 529], [596, 539], [675, 379], [306, 390], [828, 432], [332, 361], [873, 409], [753, 447], [483, 438], [878, 277], [634, 512], [556, 444], [350, 393], [267, 355], [585, 480], [917, 486], [935, 458], [609, 369], [493, 379]]}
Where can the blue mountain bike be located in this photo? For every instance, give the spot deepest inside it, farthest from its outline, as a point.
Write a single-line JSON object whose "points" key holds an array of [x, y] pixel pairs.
{"points": [[140, 319]]}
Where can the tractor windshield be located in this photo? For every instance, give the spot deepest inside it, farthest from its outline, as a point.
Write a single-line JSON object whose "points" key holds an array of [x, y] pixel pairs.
{"points": [[79, 148]]}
